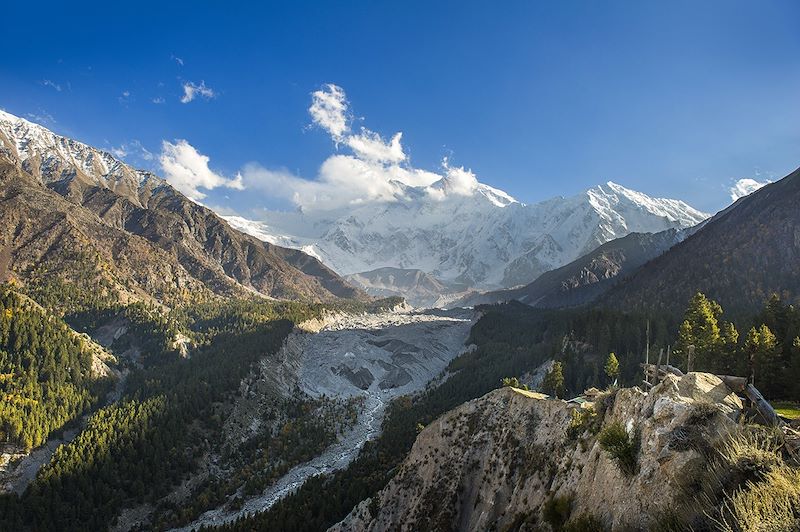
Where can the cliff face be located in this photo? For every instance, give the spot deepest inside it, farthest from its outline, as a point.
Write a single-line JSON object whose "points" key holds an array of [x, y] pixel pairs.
{"points": [[515, 460]]}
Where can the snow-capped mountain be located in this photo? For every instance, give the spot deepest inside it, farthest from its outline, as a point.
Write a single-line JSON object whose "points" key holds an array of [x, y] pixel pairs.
{"points": [[481, 237], [83, 216], [53, 158]]}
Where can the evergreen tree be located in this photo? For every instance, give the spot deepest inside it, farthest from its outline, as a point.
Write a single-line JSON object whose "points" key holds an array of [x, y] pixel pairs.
{"points": [[612, 367], [553, 383], [761, 346]]}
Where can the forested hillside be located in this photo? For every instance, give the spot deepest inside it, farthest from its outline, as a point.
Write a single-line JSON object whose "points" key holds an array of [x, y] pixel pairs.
{"points": [[46, 376], [171, 414], [739, 258]]}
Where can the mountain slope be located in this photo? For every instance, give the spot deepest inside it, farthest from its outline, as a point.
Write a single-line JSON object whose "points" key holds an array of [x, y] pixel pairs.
{"points": [[741, 256], [482, 238], [588, 277], [152, 239]]}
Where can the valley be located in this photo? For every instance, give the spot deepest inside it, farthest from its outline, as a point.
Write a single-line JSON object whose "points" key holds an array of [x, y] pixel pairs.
{"points": [[435, 355], [375, 358]]}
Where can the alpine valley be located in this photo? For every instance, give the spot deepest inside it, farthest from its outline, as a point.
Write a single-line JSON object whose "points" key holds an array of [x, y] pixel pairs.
{"points": [[441, 358]]}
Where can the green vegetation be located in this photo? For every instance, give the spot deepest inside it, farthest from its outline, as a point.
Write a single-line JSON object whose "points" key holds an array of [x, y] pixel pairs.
{"points": [[556, 511], [769, 353], [612, 367], [787, 409], [553, 383], [623, 447], [45, 372], [754, 484], [513, 382], [170, 415]]}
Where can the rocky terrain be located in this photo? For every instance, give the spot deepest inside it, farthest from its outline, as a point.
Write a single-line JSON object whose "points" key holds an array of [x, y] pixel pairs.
{"points": [[369, 358], [514, 459], [420, 289]]}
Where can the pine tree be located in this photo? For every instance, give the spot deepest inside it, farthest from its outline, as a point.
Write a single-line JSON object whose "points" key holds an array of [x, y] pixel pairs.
{"points": [[701, 328], [553, 383], [612, 367]]}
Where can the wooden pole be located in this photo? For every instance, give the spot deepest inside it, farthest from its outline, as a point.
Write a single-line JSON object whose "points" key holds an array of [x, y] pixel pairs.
{"points": [[658, 364], [761, 404]]}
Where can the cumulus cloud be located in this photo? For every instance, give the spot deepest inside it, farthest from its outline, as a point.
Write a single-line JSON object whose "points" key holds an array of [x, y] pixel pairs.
{"points": [[187, 170], [369, 146], [158, 100], [376, 170], [746, 186], [192, 90], [329, 111], [373, 169]]}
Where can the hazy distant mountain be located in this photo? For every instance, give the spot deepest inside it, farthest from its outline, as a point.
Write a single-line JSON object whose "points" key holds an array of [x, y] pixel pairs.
{"points": [[481, 238], [586, 278], [74, 211], [741, 256], [419, 288]]}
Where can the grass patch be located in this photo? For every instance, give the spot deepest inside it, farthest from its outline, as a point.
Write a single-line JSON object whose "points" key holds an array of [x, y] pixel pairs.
{"points": [[787, 409], [771, 504]]}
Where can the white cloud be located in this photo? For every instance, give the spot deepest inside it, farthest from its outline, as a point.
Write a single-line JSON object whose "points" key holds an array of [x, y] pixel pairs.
{"points": [[158, 100], [746, 186], [371, 147], [48, 83], [192, 90], [125, 97], [376, 170], [177, 60], [187, 170], [329, 111]]}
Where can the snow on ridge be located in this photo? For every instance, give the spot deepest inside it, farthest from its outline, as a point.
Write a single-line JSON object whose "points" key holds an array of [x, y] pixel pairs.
{"points": [[486, 239], [55, 151]]}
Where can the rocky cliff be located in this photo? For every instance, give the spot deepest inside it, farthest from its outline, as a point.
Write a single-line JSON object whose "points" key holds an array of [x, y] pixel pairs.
{"points": [[517, 460]]}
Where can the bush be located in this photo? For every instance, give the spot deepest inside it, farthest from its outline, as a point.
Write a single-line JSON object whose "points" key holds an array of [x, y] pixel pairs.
{"points": [[624, 448], [582, 419], [556, 510]]}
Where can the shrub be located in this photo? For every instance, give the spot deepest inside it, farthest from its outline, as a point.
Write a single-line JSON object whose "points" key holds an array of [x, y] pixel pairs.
{"points": [[513, 382], [751, 454], [556, 510], [582, 419], [624, 448]]}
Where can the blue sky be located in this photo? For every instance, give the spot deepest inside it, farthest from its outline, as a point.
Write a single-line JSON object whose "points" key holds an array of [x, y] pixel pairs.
{"points": [[675, 99]]}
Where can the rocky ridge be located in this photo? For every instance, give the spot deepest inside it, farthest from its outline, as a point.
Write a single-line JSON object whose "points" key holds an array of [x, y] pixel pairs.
{"points": [[507, 459]]}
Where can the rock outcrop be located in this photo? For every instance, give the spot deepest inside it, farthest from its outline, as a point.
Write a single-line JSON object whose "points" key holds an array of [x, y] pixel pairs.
{"points": [[514, 459]]}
